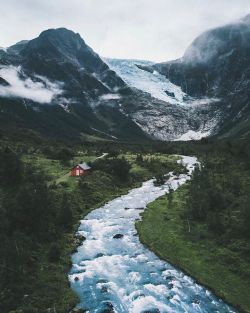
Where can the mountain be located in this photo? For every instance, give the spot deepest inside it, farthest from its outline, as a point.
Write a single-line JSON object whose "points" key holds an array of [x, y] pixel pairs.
{"points": [[61, 55], [160, 107], [57, 85], [217, 62], [157, 85], [217, 65]]}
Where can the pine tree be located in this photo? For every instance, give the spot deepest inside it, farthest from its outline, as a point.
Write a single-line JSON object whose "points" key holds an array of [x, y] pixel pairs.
{"points": [[66, 215]]}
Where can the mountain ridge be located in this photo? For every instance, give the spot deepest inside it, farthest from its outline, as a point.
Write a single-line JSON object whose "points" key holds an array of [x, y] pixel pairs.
{"points": [[58, 73], [184, 99], [217, 65]]}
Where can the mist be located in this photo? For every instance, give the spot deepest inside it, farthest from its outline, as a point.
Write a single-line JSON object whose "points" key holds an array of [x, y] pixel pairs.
{"points": [[42, 91]]}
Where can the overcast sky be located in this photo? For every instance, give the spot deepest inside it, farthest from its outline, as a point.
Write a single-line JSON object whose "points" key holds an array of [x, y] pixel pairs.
{"points": [[156, 30]]}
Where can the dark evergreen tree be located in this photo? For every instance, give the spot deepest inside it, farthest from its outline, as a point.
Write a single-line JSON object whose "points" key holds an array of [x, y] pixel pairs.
{"points": [[66, 215], [11, 170]]}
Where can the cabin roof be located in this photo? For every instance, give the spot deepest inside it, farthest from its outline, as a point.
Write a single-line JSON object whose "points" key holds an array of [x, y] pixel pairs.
{"points": [[84, 166]]}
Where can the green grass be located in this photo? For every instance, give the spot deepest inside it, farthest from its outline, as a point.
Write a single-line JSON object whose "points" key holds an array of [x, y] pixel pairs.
{"points": [[131, 157], [47, 284], [56, 171], [167, 234], [52, 168], [83, 157]]}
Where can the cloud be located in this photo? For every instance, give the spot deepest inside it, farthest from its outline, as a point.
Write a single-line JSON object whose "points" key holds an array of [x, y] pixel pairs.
{"points": [[156, 30], [110, 96], [42, 90]]}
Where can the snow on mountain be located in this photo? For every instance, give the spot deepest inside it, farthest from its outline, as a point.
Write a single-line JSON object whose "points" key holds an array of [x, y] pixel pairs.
{"points": [[165, 112], [192, 135], [154, 83], [178, 123], [131, 91], [214, 72]]}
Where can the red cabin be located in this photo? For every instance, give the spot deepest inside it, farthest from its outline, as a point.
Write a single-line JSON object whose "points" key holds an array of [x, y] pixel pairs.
{"points": [[81, 170]]}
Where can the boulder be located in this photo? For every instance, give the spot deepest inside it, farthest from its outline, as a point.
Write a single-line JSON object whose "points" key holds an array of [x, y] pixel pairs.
{"points": [[170, 94], [109, 308], [102, 281], [78, 239], [74, 250], [169, 277], [99, 255], [104, 289], [118, 236]]}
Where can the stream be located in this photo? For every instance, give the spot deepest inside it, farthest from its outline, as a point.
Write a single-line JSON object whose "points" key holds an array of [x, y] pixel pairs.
{"points": [[120, 274]]}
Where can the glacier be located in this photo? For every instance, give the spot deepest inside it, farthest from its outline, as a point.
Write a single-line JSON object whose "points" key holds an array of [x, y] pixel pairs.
{"points": [[157, 85], [164, 111]]}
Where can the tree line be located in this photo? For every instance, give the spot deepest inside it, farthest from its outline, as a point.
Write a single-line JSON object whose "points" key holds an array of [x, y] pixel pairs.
{"points": [[32, 214], [219, 197]]}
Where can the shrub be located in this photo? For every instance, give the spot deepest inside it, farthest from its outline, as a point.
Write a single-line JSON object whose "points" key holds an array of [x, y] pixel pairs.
{"points": [[54, 253]]}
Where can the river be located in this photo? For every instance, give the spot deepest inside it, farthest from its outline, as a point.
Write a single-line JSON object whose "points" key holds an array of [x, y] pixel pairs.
{"points": [[120, 274]]}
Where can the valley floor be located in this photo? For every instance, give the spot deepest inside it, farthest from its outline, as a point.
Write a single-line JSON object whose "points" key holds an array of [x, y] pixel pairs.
{"points": [[167, 234], [40, 284]]}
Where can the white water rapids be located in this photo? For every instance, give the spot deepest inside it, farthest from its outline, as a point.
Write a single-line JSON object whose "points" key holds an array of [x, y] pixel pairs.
{"points": [[120, 274]]}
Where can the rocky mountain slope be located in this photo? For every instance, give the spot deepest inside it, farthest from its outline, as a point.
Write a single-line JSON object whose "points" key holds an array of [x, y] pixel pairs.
{"points": [[57, 85], [217, 65], [154, 83], [161, 108], [60, 55]]}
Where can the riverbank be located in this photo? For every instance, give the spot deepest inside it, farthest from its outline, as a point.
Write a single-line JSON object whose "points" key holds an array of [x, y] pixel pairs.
{"points": [[52, 290], [165, 232], [42, 283]]}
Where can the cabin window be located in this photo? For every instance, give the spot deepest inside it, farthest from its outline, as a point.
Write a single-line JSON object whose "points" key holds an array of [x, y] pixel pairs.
{"points": [[77, 172]]}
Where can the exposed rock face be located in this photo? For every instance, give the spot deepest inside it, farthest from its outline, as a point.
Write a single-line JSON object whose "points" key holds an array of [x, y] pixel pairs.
{"points": [[3, 82], [77, 93], [215, 64], [166, 121], [57, 85], [161, 108], [62, 55]]}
